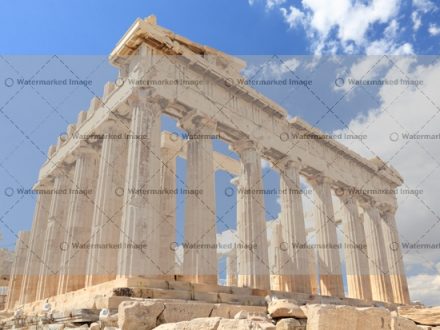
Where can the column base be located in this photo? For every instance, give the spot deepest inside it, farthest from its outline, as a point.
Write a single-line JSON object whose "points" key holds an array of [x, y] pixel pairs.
{"points": [[205, 279], [359, 287], [331, 285], [400, 289], [254, 281], [381, 288]]}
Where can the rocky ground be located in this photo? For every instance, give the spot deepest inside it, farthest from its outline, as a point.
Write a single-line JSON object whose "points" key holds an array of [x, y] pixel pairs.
{"points": [[280, 314]]}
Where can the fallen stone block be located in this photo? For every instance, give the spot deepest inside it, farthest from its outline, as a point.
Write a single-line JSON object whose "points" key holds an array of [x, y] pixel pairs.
{"points": [[285, 308], [424, 316], [134, 315]]}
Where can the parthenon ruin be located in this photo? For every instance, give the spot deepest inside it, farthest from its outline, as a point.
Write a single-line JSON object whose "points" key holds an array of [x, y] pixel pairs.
{"points": [[107, 188]]}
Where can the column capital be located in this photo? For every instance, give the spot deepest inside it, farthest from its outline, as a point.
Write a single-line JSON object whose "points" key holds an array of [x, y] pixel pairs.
{"points": [[245, 144], [85, 147], [286, 163], [144, 97], [320, 178], [386, 209], [195, 123], [235, 181]]}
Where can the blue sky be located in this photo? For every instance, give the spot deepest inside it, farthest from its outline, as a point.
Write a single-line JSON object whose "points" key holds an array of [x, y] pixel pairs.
{"points": [[82, 33]]}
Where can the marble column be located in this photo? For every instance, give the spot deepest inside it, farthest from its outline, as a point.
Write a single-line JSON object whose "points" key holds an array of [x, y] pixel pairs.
{"points": [[358, 278], [329, 263], [280, 279], [55, 233], [17, 273], [107, 213], [35, 253], [167, 225], [79, 219], [231, 268], [295, 276], [393, 251], [377, 258], [141, 214], [252, 254], [200, 251]]}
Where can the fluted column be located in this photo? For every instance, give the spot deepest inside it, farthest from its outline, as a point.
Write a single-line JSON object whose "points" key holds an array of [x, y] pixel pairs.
{"points": [[377, 258], [358, 278], [280, 279], [79, 220], [16, 279], [231, 268], [295, 276], [329, 262], [252, 255], [167, 225], [35, 253], [141, 213], [55, 233], [393, 250], [107, 214], [200, 252]]}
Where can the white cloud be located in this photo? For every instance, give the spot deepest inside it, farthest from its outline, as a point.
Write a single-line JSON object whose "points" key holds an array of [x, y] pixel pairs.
{"points": [[274, 3], [293, 16], [424, 5], [434, 29], [417, 21], [408, 110], [273, 69], [425, 288]]}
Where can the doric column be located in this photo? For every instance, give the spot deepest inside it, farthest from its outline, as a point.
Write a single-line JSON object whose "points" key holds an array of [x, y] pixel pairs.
{"points": [[79, 219], [141, 214], [36, 243], [329, 263], [200, 252], [358, 278], [107, 214], [16, 279], [167, 225], [377, 258], [55, 233], [280, 279], [295, 276], [231, 268], [252, 255], [393, 250]]}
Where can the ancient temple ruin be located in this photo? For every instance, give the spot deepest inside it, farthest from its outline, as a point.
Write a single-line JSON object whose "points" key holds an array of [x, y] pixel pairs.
{"points": [[104, 190]]}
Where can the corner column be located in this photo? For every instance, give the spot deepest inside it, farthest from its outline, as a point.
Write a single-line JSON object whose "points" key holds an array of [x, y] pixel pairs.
{"points": [[253, 260], [393, 250], [200, 252], [141, 214], [329, 262]]}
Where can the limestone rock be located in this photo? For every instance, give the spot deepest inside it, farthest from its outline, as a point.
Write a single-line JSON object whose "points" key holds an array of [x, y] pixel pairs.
{"points": [[401, 323], [184, 311], [425, 316], [241, 315], [285, 308], [229, 311], [289, 324], [332, 317], [133, 315], [373, 318], [205, 323], [94, 326]]}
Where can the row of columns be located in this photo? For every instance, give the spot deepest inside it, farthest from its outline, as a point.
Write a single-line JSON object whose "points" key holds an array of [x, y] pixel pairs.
{"points": [[129, 230]]}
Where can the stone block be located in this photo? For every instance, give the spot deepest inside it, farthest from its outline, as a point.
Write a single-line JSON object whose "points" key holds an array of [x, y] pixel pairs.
{"points": [[285, 308], [133, 315], [184, 311]]}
